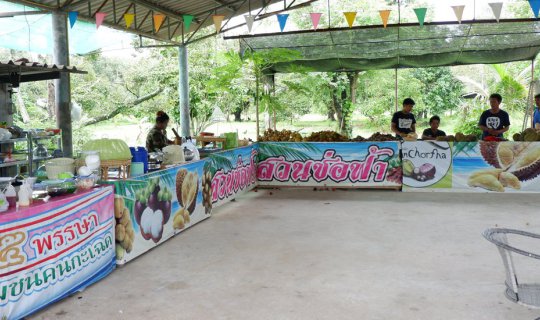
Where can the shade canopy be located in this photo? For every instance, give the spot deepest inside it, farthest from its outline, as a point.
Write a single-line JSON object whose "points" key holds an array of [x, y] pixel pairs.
{"points": [[15, 72], [173, 11], [403, 46]]}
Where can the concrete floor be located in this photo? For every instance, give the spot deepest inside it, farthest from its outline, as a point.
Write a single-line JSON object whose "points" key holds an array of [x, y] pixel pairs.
{"points": [[300, 254]]}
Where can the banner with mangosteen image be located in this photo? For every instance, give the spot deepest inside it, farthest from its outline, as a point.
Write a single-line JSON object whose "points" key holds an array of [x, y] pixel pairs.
{"points": [[426, 165], [338, 165], [152, 208], [506, 166]]}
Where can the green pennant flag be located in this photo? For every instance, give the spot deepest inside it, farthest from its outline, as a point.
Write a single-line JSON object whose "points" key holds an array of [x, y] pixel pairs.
{"points": [[188, 18], [421, 15]]}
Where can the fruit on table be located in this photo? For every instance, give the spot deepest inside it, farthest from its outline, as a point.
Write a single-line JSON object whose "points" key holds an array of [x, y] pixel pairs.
{"points": [[281, 136], [109, 149], [124, 228], [358, 139], [326, 136], [529, 135], [381, 137]]}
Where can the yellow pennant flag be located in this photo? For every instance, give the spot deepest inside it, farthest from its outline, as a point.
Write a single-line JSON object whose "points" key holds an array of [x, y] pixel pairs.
{"points": [[350, 16], [158, 21], [129, 18], [218, 20], [385, 15]]}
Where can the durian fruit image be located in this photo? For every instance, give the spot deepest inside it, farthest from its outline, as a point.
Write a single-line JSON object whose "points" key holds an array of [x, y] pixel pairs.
{"points": [[207, 191], [521, 159], [494, 180]]}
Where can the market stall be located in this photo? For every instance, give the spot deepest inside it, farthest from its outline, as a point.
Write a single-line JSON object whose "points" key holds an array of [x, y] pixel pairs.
{"points": [[53, 249]]}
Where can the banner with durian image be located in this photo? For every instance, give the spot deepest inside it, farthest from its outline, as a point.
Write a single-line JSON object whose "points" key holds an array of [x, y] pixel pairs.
{"points": [[506, 166], [152, 208]]}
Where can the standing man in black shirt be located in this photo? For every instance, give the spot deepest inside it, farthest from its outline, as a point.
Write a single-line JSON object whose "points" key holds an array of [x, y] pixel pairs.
{"points": [[495, 121], [403, 122]]}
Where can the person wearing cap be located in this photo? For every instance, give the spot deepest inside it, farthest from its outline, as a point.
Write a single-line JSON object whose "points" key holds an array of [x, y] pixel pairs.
{"points": [[403, 122]]}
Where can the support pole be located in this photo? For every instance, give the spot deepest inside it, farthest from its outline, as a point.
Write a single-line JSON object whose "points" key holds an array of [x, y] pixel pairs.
{"points": [[183, 90], [62, 86], [396, 87]]}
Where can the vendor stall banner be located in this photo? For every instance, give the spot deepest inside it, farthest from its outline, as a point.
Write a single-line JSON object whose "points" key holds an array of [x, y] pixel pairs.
{"points": [[152, 208], [475, 166], [362, 164], [50, 251], [427, 164], [232, 173]]}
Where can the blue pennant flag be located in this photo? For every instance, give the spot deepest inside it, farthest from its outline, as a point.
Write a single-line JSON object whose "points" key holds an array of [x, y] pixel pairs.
{"points": [[73, 15], [282, 18], [535, 6]]}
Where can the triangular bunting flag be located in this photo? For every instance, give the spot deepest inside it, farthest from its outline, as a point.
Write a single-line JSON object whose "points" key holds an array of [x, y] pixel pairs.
{"points": [[100, 17], [535, 6], [385, 15], [315, 19], [188, 19], [72, 15], [129, 18], [350, 17], [158, 21], [458, 10], [218, 20], [282, 18], [249, 22], [496, 7], [421, 15]]}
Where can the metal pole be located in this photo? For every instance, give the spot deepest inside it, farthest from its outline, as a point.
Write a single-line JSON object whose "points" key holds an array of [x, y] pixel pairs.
{"points": [[183, 90], [396, 87], [62, 86]]}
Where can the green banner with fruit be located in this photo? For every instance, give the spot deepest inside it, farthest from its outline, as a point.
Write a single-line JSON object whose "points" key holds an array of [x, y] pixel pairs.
{"points": [[152, 208], [485, 166]]}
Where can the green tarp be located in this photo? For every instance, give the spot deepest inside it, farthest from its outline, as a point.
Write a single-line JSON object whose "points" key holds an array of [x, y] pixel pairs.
{"points": [[405, 46]]}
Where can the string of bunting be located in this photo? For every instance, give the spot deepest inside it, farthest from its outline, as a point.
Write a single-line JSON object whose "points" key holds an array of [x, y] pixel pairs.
{"points": [[350, 17]]}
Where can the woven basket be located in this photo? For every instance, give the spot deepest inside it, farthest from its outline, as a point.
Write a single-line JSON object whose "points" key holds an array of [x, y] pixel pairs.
{"points": [[124, 167], [56, 166]]}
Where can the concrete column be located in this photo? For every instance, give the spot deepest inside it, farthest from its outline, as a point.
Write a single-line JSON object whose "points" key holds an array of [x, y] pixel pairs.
{"points": [[183, 90], [62, 86]]}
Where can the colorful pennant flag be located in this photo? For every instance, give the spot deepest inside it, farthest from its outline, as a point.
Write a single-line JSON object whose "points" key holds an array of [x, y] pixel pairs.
{"points": [[496, 7], [188, 19], [100, 17], [421, 15], [249, 22], [535, 6], [385, 15], [218, 20], [72, 15], [458, 11], [282, 18], [315, 19], [350, 16], [158, 21], [129, 18]]}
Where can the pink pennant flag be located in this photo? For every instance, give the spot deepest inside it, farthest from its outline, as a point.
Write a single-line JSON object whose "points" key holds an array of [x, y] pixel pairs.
{"points": [[100, 17], [315, 19]]}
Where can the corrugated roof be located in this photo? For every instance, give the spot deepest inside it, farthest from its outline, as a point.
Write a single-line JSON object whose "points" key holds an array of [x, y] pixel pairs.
{"points": [[171, 30], [24, 71]]}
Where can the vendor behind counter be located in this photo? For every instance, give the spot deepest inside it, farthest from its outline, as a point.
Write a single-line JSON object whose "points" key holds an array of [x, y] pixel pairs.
{"points": [[156, 139], [433, 131]]}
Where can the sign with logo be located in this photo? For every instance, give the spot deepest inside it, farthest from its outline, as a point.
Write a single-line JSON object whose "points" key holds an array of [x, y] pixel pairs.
{"points": [[427, 164]]}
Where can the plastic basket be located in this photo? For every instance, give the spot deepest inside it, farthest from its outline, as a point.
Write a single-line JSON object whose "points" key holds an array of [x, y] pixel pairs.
{"points": [[56, 166]]}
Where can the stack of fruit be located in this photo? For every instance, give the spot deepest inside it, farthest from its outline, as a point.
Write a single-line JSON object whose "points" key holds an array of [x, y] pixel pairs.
{"points": [[529, 135], [281, 136], [326, 136], [381, 137]]}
